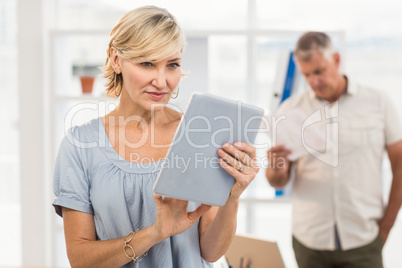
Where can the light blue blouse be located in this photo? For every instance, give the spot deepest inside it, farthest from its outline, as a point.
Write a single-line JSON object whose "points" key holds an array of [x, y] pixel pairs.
{"points": [[91, 177]]}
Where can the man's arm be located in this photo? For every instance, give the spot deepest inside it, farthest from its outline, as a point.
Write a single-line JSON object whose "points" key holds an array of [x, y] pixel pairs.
{"points": [[395, 196]]}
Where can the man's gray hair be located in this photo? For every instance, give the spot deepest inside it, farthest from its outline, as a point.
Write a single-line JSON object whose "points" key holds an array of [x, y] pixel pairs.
{"points": [[311, 42]]}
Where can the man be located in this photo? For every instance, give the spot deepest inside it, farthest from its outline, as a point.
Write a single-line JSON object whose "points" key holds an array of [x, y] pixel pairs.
{"points": [[339, 219]]}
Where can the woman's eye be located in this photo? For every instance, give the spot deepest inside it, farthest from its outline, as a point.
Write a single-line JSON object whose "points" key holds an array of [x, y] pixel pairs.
{"points": [[146, 64], [173, 65]]}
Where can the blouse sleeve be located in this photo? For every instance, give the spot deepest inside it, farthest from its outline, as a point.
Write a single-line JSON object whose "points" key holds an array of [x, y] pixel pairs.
{"points": [[70, 183]]}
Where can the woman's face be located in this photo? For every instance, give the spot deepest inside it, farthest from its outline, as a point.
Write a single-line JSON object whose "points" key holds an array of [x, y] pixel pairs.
{"points": [[150, 84]]}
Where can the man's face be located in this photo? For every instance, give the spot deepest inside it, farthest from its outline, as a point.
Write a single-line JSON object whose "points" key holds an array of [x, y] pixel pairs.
{"points": [[322, 74]]}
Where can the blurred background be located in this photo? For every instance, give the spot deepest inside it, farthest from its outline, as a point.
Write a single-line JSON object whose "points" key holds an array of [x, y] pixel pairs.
{"points": [[236, 49]]}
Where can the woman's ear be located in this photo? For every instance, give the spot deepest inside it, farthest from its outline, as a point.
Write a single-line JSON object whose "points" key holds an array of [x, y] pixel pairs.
{"points": [[115, 60]]}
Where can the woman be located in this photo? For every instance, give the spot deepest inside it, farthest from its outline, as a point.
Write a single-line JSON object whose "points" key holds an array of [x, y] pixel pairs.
{"points": [[106, 168]]}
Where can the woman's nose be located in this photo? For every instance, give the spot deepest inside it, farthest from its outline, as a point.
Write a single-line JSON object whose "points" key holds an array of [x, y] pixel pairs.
{"points": [[159, 79]]}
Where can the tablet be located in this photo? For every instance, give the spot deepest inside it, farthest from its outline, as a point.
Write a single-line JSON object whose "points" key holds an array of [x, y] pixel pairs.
{"points": [[191, 170]]}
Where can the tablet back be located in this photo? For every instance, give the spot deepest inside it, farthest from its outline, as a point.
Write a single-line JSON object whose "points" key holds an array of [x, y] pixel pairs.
{"points": [[191, 170]]}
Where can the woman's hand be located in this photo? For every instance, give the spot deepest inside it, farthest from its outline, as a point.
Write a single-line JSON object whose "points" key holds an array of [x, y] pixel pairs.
{"points": [[239, 160], [172, 215]]}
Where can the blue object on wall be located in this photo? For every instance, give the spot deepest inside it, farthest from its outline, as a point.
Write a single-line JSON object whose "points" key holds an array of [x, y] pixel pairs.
{"points": [[290, 78], [287, 91]]}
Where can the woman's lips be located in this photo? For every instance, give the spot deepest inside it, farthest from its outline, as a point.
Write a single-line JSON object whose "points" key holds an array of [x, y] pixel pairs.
{"points": [[157, 95]]}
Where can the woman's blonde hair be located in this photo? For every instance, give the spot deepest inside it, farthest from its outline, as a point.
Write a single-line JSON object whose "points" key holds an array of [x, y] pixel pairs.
{"points": [[148, 33]]}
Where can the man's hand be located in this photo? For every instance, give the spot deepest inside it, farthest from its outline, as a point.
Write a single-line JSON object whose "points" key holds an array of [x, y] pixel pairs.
{"points": [[278, 169], [385, 227], [278, 158]]}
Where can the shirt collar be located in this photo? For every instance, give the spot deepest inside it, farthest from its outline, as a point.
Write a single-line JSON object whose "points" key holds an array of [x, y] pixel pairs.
{"points": [[352, 88]]}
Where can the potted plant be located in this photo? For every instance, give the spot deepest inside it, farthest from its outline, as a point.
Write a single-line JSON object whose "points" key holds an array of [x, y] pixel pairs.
{"points": [[87, 83], [86, 77]]}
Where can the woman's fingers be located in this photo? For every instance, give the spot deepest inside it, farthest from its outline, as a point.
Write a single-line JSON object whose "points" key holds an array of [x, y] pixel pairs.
{"points": [[239, 161], [235, 157], [178, 203], [158, 199], [230, 160], [173, 216], [229, 169], [247, 148], [250, 152], [196, 214], [240, 156]]}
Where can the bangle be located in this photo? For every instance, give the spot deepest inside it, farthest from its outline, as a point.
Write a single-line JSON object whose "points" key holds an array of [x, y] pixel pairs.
{"points": [[127, 246]]}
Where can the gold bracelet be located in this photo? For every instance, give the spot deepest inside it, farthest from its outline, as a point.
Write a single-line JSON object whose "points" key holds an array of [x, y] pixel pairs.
{"points": [[128, 246]]}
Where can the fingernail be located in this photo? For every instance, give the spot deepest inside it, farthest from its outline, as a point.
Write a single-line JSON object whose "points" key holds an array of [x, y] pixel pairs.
{"points": [[226, 145]]}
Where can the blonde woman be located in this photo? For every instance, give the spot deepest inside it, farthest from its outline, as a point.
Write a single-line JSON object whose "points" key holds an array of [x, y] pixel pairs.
{"points": [[106, 168]]}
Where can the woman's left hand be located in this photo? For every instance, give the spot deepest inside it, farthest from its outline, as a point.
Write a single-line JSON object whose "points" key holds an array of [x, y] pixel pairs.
{"points": [[239, 160]]}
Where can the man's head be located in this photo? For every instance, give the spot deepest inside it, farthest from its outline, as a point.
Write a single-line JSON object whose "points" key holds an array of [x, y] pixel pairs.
{"points": [[319, 63]]}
